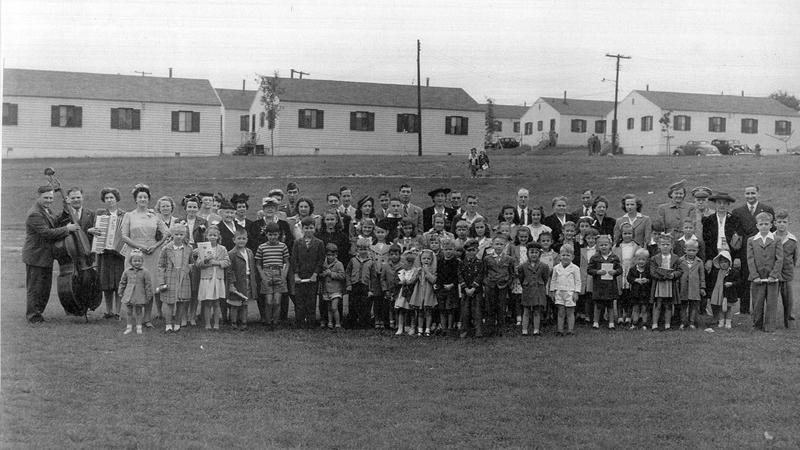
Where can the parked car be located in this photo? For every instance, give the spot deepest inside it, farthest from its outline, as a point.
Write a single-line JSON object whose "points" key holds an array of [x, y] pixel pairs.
{"points": [[506, 142], [696, 148], [730, 146]]}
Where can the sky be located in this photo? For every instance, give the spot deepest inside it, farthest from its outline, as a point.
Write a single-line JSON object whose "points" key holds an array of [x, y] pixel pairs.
{"points": [[510, 51]]}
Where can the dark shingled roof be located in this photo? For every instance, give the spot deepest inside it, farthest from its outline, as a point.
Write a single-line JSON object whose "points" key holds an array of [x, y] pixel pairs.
{"points": [[97, 86], [508, 111], [236, 98], [734, 104], [375, 94], [574, 107]]}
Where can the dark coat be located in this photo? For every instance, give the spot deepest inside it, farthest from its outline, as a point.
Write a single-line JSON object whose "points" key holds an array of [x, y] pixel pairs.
{"points": [[710, 234], [307, 260], [427, 218], [41, 234], [199, 230], [555, 225], [257, 235], [517, 218], [226, 235], [237, 274]]}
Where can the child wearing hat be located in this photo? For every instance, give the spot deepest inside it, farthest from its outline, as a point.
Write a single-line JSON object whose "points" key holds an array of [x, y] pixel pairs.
{"points": [[725, 280], [332, 283]]}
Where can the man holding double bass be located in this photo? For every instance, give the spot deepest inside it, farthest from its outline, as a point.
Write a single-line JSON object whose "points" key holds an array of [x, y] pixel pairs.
{"points": [[41, 234]]}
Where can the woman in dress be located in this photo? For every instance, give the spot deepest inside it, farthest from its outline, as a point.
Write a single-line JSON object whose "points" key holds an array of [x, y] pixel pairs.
{"points": [[139, 228], [165, 206], [641, 224], [669, 216], [110, 264], [601, 222]]}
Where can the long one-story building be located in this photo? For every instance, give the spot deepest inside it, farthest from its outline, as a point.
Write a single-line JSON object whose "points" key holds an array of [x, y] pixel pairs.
{"points": [[345, 117], [507, 120], [66, 114], [751, 120], [573, 120], [236, 118]]}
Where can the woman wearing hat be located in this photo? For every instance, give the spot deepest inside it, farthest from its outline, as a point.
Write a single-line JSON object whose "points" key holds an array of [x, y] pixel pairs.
{"points": [[702, 207], [240, 203], [720, 228], [669, 216], [438, 196]]}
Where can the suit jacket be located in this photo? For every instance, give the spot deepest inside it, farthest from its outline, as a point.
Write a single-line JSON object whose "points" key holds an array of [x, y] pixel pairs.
{"points": [[642, 229], [710, 233], [307, 260], [579, 212], [237, 274], [198, 231], [427, 218], [764, 259], [415, 214], [604, 227], [41, 233], [555, 224], [85, 221], [226, 235], [747, 221], [518, 220]]}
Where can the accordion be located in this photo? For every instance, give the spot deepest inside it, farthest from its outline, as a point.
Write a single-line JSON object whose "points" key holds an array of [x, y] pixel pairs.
{"points": [[110, 237]]}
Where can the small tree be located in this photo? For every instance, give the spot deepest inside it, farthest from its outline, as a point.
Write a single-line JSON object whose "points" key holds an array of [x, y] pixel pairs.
{"points": [[490, 119], [789, 100], [666, 126], [270, 90]]}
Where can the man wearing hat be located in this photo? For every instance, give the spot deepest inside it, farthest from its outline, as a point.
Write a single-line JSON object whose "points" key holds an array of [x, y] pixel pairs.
{"points": [[746, 216], [720, 228], [41, 233], [669, 216], [438, 195]]}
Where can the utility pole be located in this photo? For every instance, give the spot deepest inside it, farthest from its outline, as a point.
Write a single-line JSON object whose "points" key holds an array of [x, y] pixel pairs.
{"points": [[616, 99], [419, 105], [143, 73], [299, 72]]}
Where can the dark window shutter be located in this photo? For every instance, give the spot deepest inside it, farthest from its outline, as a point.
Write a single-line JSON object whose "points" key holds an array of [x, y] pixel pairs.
{"points": [[400, 123], [299, 118], [77, 112], [243, 123], [447, 129], [465, 128], [688, 124], [136, 119], [261, 118], [352, 120], [196, 121], [54, 116], [710, 123], [723, 125], [175, 120], [320, 118], [371, 117], [114, 118]]}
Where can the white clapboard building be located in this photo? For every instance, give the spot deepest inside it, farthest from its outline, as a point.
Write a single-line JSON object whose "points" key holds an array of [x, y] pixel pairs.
{"points": [[507, 120], [344, 117], [573, 120], [74, 114], [236, 117], [751, 120]]}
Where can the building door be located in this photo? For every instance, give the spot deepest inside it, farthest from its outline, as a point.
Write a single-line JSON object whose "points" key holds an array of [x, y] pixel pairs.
{"points": [[552, 124]]}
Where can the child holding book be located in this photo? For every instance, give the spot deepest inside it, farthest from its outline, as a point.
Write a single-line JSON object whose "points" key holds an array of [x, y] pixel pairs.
{"points": [[604, 268], [212, 262]]}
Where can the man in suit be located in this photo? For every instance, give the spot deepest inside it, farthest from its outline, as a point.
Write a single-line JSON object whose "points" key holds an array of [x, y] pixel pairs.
{"points": [[522, 213], [410, 210], [382, 209], [41, 233], [746, 216], [719, 228], [455, 202], [438, 196], [76, 213], [586, 209], [292, 195]]}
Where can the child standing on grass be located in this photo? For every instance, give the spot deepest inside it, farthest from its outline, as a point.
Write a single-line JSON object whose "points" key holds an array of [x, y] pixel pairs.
{"points": [[550, 258], [212, 266], [587, 251], [390, 286], [242, 280], [765, 262], [306, 258], [470, 280], [333, 278], [423, 299], [175, 285], [361, 276], [447, 285], [565, 286], [534, 276], [604, 268], [407, 278], [725, 280], [639, 281], [791, 253], [519, 252], [272, 261], [499, 269], [665, 271], [625, 251], [135, 290], [692, 285]]}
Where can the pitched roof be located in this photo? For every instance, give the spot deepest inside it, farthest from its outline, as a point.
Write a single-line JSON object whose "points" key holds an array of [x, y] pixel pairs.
{"points": [[236, 98], [575, 107], [97, 86], [680, 101], [375, 94], [508, 111]]}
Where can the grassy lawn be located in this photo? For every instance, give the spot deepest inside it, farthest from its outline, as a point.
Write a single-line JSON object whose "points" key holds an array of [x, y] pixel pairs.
{"points": [[72, 384]]}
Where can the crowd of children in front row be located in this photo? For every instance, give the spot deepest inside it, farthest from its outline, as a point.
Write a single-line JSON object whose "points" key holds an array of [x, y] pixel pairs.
{"points": [[471, 281]]}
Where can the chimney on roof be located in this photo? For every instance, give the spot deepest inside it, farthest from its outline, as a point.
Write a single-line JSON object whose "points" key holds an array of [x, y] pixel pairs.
{"points": [[743, 93], [427, 81], [170, 72], [565, 97], [647, 88]]}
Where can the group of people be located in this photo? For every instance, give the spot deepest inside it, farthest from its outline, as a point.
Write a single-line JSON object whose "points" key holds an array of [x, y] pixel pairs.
{"points": [[447, 268]]}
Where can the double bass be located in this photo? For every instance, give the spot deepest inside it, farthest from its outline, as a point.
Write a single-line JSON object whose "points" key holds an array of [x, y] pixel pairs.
{"points": [[78, 280]]}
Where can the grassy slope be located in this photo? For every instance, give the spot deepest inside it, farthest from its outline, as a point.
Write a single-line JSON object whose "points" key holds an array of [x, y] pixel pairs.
{"points": [[83, 385]]}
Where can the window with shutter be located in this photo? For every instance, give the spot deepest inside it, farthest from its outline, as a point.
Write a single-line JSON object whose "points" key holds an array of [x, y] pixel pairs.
{"points": [[716, 124], [457, 125], [244, 122], [114, 118], [195, 122], [516, 127], [66, 116], [682, 123], [186, 121], [647, 123], [540, 125], [783, 128], [578, 126], [528, 128], [362, 121], [309, 118], [749, 126], [407, 123], [631, 123], [10, 113], [600, 126]]}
